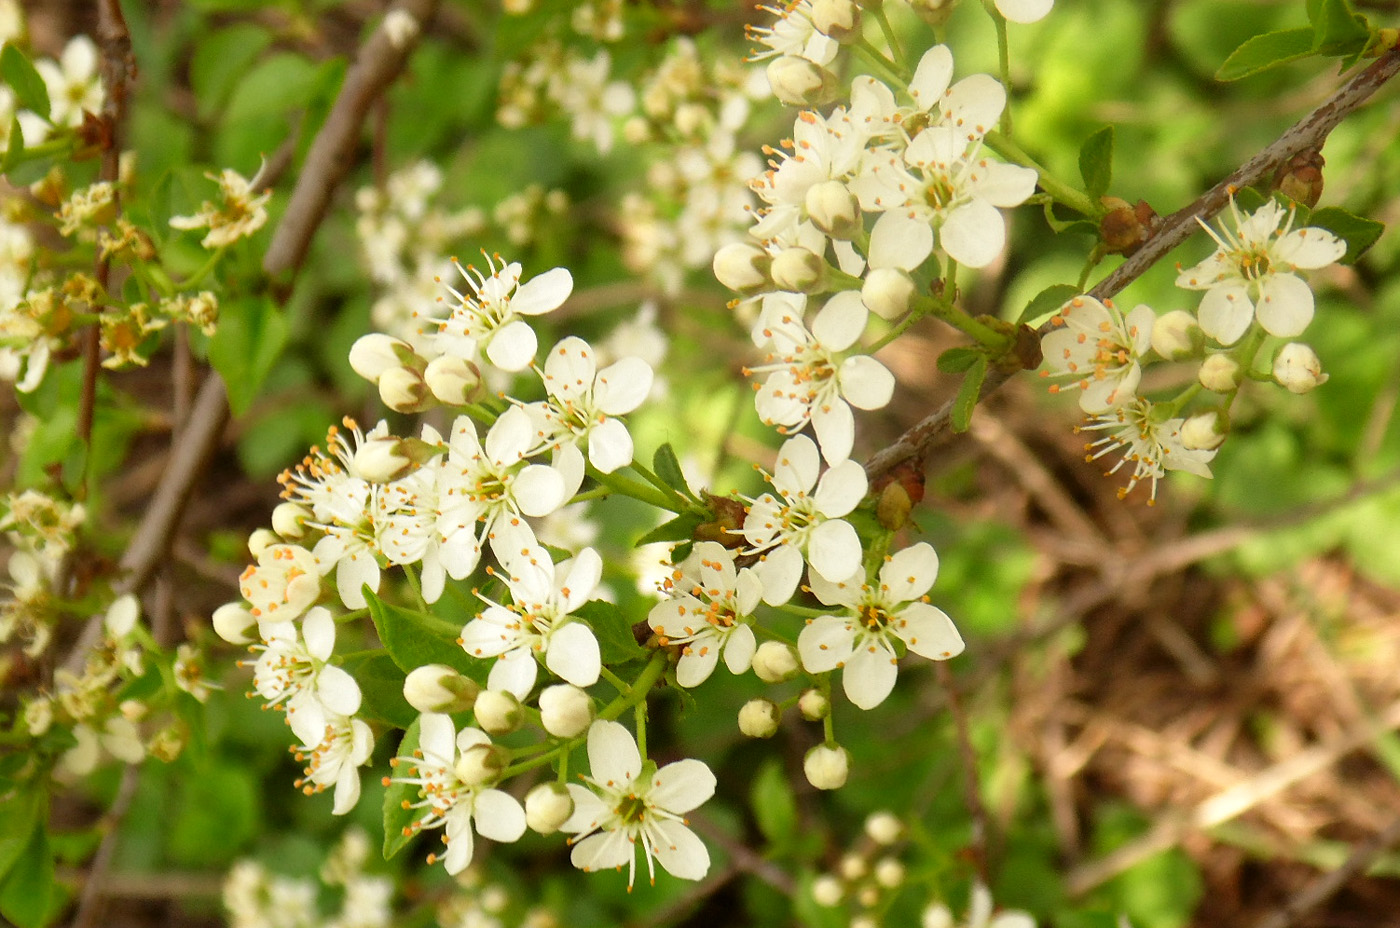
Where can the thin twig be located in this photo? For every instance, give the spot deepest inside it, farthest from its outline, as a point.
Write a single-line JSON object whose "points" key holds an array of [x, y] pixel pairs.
{"points": [[88, 902], [1309, 132], [1327, 885], [972, 790]]}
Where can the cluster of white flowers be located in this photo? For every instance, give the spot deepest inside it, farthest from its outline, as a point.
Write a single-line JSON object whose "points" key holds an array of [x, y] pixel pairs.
{"points": [[255, 897], [1252, 289]]}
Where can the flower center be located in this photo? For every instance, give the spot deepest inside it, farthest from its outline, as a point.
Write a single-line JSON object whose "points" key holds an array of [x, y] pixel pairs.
{"points": [[631, 810]]}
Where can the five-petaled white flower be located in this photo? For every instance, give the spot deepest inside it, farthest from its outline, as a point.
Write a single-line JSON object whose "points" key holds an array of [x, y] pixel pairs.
{"points": [[292, 669], [333, 748], [706, 614], [74, 82], [241, 212], [1151, 444], [1251, 275], [489, 319], [627, 803], [861, 641], [282, 585], [1098, 350]]}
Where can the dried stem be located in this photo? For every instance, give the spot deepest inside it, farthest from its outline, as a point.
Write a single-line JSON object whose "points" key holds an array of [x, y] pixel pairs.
{"points": [[967, 754], [1309, 132]]}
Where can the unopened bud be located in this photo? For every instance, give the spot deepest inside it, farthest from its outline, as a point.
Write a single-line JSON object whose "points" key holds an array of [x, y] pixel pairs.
{"points": [[833, 208], [775, 662], [373, 354], [894, 506], [839, 19], [498, 712], [799, 82], [565, 710], [814, 705], [1124, 228], [852, 867], [547, 807], [727, 526], [480, 764], [403, 390], [798, 270], [453, 380], [868, 897], [827, 767], [1220, 373], [742, 267], [1204, 431], [887, 292], [380, 460], [1298, 369], [759, 718], [827, 890], [289, 520], [636, 130], [889, 873], [1300, 177], [234, 623], [1177, 335], [884, 828], [260, 540], [439, 688]]}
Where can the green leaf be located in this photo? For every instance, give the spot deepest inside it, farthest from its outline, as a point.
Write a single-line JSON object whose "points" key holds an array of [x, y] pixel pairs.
{"points": [[414, 639], [251, 335], [681, 528], [276, 84], [222, 799], [1262, 52], [616, 643], [26, 895], [774, 805], [968, 394], [30, 90], [15, 153], [18, 817], [1337, 29], [1096, 162], [1046, 302], [381, 687], [397, 819], [667, 466], [957, 360], [1359, 232], [221, 59]]}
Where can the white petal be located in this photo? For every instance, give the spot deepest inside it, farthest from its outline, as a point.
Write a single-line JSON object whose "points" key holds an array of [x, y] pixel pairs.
{"points": [[602, 852], [612, 753], [835, 426], [622, 387], [841, 321], [865, 382], [697, 662], [825, 642], [1226, 311], [1004, 185], [513, 345], [841, 489], [338, 691], [929, 632], [1285, 305], [779, 570], [573, 654], [869, 675], [974, 104], [679, 850], [682, 786], [900, 241], [973, 234], [318, 631], [488, 635], [461, 843], [739, 649], [909, 573], [610, 446], [931, 77], [538, 490], [498, 816], [570, 368], [1309, 248], [437, 738], [543, 293], [797, 465], [578, 578], [833, 549], [347, 790], [513, 672]]}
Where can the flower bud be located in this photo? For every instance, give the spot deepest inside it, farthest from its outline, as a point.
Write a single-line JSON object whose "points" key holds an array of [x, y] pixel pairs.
{"points": [[1298, 369], [1220, 373], [452, 380], [1300, 177], [498, 712], [234, 623], [260, 540], [827, 890], [742, 267], [636, 130], [379, 460], [373, 354], [833, 208], [852, 867], [289, 520], [933, 12], [839, 19], [889, 873], [439, 688], [1204, 432], [775, 662], [814, 705], [121, 616], [799, 82], [1124, 228], [480, 764], [1176, 335], [759, 718], [893, 506], [547, 807], [827, 767], [798, 270], [403, 390], [884, 828], [167, 744], [866, 899], [887, 292], [565, 710]]}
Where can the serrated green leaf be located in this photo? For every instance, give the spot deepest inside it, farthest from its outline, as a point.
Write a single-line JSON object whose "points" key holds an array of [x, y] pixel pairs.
{"points": [[1359, 232], [1261, 52], [1046, 302], [667, 466], [26, 893], [397, 819], [30, 91], [414, 639], [221, 59], [1337, 28], [251, 335], [957, 360], [681, 528], [968, 393], [774, 804], [616, 644], [381, 687], [1096, 162]]}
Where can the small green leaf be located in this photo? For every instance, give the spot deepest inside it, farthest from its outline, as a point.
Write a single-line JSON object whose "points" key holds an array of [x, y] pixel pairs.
{"points": [[1096, 162], [1337, 29], [273, 86], [1261, 52], [1046, 302], [957, 360], [381, 687], [968, 394], [251, 335], [26, 894], [681, 528], [667, 466], [414, 639], [616, 643], [774, 805], [397, 819], [1359, 232], [30, 90]]}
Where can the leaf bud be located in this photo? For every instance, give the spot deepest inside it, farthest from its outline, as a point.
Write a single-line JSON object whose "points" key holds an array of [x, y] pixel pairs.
{"points": [[1204, 431], [884, 828], [565, 710], [547, 807], [887, 292], [452, 380], [289, 520], [799, 82], [373, 354], [1298, 369], [480, 764], [759, 718], [827, 767], [381, 460], [1220, 373], [799, 270], [839, 19], [234, 623], [1300, 177], [260, 540], [403, 390], [742, 267], [1124, 228], [498, 712], [833, 208], [439, 688], [726, 527], [775, 662], [889, 873], [814, 705], [827, 890], [1177, 335]]}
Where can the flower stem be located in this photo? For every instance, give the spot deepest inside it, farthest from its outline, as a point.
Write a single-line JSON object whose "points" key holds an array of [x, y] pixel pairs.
{"points": [[888, 69], [637, 692], [1004, 65], [657, 482], [634, 488], [891, 39], [1062, 192]]}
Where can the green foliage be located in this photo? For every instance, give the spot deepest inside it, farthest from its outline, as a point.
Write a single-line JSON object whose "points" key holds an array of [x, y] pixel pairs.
{"points": [[1096, 162], [1269, 50], [381, 687], [252, 333], [774, 805], [19, 74], [616, 643], [969, 391], [417, 638], [29, 897], [399, 799]]}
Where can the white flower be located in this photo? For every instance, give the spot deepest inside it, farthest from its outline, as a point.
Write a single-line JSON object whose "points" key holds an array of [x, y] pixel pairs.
{"points": [[1098, 350], [1024, 11], [490, 319], [74, 82], [538, 622], [292, 670], [861, 641], [808, 377], [793, 34], [240, 214], [333, 753], [707, 612], [1252, 274], [282, 585], [972, 106], [628, 803], [449, 801], [979, 914], [1153, 447], [822, 148], [586, 94], [783, 529]]}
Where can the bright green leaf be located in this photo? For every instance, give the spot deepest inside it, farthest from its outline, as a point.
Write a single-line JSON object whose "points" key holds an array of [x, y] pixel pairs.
{"points": [[30, 90], [221, 59], [251, 335], [26, 893], [616, 643], [1359, 232], [968, 393], [275, 85], [667, 466], [773, 802], [1096, 162], [398, 819], [381, 687], [1266, 51], [1337, 29], [18, 816], [1046, 302], [957, 360], [414, 639], [681, 528]]}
